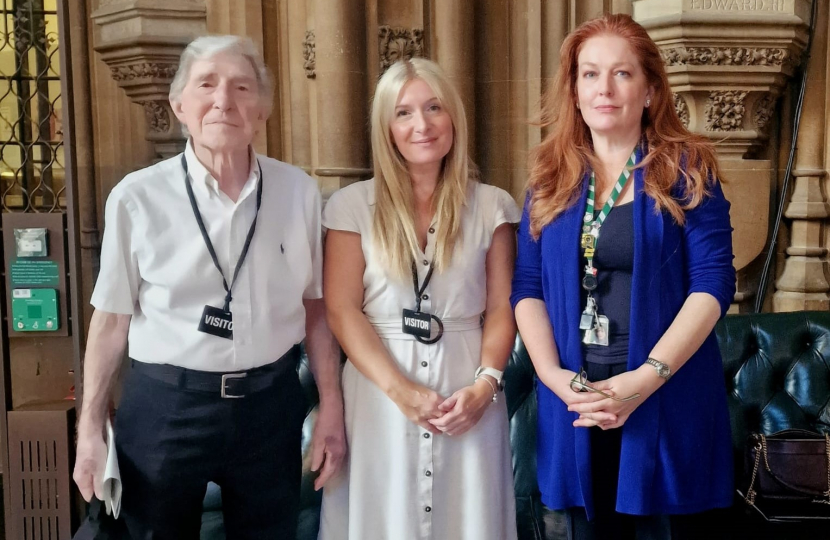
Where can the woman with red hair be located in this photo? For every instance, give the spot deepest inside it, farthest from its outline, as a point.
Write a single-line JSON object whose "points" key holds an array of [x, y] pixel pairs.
{"points": [[617, 309]]}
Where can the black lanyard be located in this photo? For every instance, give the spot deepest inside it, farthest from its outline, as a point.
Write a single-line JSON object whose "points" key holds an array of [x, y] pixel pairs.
{"points": [[419, 291], [419, 294], [209, 244]]}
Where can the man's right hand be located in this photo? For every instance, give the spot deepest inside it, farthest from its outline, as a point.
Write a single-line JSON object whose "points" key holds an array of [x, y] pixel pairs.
{"points": [[90, 461]]}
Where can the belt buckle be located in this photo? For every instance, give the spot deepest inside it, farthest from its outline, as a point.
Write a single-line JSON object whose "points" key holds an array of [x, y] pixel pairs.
{"points": [[225, 378]]}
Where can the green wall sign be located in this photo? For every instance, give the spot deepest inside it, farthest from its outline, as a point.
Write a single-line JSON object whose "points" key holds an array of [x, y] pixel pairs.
{"points": [[35, 273]]}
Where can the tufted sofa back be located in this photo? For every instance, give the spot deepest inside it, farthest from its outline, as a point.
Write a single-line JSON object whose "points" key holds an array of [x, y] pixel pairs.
{"points": [[777, 372]]}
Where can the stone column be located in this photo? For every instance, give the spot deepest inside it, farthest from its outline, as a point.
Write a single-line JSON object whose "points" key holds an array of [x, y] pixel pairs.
{"points": [[492, 123], [298, 71], [340, 80], [527, 68], [452, 45], [84, 157], [243, 18], [803, 284], [141, 41], [728, 62]]}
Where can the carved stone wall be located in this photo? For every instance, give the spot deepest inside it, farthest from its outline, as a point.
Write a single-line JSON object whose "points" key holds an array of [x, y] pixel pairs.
{"points": [[728, 62]]}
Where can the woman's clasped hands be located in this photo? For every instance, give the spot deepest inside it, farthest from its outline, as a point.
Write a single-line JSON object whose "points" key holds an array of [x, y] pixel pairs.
{"points": [[464, 408], [454, 415], [612, 412]]}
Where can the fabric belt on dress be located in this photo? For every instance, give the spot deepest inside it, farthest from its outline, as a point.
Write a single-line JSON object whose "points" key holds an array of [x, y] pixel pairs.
{"points": [[391, 328], [236, 384]]}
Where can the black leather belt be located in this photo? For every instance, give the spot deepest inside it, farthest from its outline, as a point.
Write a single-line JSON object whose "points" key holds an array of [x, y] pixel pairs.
{"points": [[233, 385]]}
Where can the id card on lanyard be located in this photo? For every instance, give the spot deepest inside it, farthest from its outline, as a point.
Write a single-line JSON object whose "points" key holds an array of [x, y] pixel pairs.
{"points": [[215, 321], [595, 326], [416, 323]]}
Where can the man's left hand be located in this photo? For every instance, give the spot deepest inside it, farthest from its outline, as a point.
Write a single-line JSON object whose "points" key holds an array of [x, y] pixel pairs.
{"points": [[328, 444]]}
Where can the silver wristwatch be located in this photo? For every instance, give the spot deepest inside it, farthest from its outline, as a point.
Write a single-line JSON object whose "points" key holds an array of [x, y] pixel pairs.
{"points": [[663, 370]]}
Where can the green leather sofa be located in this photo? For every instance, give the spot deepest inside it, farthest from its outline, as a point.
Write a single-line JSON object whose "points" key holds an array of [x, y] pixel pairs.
{"points": [[777, 371]]}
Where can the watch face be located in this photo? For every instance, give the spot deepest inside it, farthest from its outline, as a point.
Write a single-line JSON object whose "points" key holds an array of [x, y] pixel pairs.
{"points": [[663, 370]]}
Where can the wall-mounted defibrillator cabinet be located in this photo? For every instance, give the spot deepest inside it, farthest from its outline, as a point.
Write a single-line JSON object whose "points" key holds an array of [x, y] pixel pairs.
{"points": [[34, 248]]}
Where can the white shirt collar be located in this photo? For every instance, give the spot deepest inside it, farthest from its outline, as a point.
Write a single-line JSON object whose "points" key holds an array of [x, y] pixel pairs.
{"points": [[203, 180]]}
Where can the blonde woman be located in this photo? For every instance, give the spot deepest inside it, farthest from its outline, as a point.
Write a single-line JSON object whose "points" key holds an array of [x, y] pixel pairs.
{"points": [[425, 420]]}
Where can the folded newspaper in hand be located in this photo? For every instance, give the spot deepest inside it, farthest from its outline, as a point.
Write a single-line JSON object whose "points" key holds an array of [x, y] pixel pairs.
{"points": [[112, 476]]}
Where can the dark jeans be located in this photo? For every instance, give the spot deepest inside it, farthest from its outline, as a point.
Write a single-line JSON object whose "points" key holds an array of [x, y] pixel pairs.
{"points": [[608, 524], [171, 442]]}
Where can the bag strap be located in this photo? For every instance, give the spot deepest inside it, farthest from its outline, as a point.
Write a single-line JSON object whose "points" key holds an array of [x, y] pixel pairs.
{"points": [[760, 448]]}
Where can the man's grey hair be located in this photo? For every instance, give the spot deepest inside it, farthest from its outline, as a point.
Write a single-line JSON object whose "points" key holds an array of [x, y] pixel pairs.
{"points": [[206, 47]]}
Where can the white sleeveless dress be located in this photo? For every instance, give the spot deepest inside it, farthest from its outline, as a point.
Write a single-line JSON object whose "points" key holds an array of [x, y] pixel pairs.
{"points": [[402, 482]]}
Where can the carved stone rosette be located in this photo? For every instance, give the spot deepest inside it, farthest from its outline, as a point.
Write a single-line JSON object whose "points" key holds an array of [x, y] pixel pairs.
{"points": [[764, 109], [141, 42], [158, 116], [398, 43], [309, 54], [681, 109], [725, 110]]}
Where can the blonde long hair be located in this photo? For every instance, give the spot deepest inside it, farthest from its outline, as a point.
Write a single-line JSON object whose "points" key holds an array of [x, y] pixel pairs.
{"points": [[560, 161], [394, 216]]}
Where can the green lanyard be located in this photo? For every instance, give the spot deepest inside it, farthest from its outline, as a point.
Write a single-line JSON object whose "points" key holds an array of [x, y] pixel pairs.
{"points": [[591, 226]]}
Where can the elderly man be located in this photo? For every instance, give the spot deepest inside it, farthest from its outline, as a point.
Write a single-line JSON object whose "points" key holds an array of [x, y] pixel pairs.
{"points": [[211, 275]]}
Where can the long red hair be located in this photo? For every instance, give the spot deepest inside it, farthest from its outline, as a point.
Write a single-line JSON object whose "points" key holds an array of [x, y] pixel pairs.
{"points": [[561, 160]]}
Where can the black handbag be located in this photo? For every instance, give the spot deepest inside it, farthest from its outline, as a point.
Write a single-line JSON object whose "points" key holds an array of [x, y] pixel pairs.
{"points": [[789, 475]]}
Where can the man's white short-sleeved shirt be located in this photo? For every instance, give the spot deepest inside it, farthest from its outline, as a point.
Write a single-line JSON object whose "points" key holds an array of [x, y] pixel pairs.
{"points": [[155, 265]]}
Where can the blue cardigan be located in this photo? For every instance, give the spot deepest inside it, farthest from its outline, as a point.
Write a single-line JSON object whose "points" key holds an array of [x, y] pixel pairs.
{"points": [[676, 453]]}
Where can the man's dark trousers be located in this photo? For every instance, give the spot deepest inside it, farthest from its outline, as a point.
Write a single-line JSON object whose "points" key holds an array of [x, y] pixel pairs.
{"points": [[172, 440]]}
